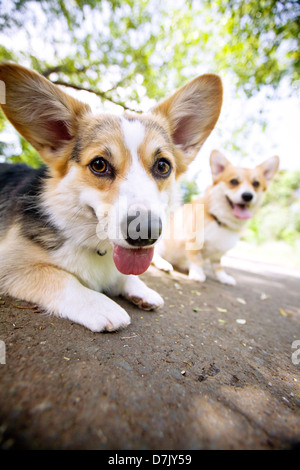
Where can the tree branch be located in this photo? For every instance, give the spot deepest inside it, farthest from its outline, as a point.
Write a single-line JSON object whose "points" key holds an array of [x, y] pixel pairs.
{"points": [[62, 68], [101, 94], [48, 72]]}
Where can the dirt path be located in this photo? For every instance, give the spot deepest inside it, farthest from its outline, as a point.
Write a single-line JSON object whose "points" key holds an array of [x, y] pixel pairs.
{"points": [[212, 370]]}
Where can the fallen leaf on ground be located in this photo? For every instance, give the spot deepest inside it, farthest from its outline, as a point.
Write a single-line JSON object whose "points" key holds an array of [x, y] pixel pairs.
{"points": [[284, 313], [195, 292], [185, 362], [264, 296]]}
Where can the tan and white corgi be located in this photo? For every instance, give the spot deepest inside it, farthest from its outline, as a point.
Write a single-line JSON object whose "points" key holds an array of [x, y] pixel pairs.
{"points": [[210, 226], [85, 224]]}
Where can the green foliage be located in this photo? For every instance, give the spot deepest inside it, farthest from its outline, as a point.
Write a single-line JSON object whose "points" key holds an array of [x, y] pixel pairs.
{"points": [[132, 52], [188, 189], [27, 155], [279, 217], [261, 40]]}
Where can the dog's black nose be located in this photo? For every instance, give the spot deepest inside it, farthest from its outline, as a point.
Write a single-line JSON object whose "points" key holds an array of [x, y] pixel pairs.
{"points": [[247, 197], [141, 229]]}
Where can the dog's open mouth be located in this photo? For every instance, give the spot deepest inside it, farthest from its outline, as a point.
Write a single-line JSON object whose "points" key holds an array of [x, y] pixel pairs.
{"points": [[241, 211], [132, 261]]}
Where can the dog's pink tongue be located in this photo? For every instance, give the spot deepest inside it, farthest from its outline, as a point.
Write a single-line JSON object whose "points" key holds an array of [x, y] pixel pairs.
{"points": [[241, 212], [132, 261]]}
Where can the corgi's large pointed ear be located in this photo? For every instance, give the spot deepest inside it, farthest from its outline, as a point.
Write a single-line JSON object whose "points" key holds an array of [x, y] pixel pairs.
{"points": [[46, 116], [192, 112], [269, 168], [218, 163]]}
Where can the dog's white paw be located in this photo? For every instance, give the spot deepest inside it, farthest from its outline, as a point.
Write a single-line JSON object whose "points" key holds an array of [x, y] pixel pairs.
{"points": [[113, 319], [139, 294], [149, 301], [94, 310], [197, 274], [225, 278], [162, 264], [117, 319]]}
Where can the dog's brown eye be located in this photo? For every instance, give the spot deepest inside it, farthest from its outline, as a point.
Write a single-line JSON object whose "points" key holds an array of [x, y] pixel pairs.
{"points": [[234, 182], [99, 166], [255, 184], [162, 168]]}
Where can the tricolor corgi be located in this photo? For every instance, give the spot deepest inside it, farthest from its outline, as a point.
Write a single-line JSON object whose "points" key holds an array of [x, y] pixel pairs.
{"points": [[210, 226], [84, 225]]}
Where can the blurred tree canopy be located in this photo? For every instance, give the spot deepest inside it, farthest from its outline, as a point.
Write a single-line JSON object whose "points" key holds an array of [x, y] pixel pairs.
{"points": [[189, 190], [261, 41], [132, 52], [279, 217]]}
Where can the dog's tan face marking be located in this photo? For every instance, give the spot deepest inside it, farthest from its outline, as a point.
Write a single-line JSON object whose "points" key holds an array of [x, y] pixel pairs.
{"points": [[251, 179], [157, 146], [101, 138], [106, 137]]}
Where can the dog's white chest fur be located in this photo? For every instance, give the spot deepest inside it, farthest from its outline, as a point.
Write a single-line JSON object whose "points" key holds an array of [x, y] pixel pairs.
{"points": [[218, 240], [94, 271]]}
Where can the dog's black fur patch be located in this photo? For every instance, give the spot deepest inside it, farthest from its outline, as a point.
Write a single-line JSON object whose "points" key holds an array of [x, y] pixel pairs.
{"points": [[20, 203]]}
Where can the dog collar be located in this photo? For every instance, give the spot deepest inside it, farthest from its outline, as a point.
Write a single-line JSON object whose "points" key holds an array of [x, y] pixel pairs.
{"points": [[219, 222]]}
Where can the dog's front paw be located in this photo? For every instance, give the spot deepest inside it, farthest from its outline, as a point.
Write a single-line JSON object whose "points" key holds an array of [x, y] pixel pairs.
{"points": [[139, 294], [162, 264], [150, 300], [95, 311], [225, 278], [113, 319], [117, 320], [197, 274]]}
